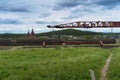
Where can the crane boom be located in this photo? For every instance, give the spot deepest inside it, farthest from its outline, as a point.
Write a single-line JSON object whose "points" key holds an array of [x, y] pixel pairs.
{"points": [[88, 24]]}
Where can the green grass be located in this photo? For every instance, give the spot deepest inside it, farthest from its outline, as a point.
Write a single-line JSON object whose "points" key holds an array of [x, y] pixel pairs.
{"points": [[114, 69], [118, 41], [51, 63]]}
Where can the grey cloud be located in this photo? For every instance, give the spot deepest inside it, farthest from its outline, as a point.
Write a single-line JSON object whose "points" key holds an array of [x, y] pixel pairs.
{"points": [[44, 22], [79, 12], [109, 2], [14, 7], [68, 4], [9, 21], [73, 3], [44, 15]]}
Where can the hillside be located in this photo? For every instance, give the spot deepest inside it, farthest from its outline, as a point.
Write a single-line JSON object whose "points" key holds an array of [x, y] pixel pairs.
{"points": [[60, 32], [11, 36], [70, 32], [73, 32]]}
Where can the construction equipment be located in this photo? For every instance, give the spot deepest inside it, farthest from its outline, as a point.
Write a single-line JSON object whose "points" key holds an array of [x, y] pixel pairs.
{"points": [[88, 24]]}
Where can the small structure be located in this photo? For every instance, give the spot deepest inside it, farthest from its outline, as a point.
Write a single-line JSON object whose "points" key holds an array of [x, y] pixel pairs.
{"points": [[31, 35]]}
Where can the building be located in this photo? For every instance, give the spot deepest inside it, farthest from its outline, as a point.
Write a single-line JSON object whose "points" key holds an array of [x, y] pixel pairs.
{"points": [[31, 35]]}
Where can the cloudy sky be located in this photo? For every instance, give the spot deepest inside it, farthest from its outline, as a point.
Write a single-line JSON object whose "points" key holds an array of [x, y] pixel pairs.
{"points": [[19, 16]]}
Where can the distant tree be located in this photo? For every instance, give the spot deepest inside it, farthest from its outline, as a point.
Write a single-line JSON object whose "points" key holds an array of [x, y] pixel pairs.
{"points": [[88, 36]]}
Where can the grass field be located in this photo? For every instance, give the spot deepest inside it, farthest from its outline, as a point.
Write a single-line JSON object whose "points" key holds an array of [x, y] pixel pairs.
{"points": [[114, 70], [51, 63]]}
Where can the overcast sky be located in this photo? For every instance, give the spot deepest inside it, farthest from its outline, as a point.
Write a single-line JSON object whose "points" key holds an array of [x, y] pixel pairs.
{"points": [[19, 16]]}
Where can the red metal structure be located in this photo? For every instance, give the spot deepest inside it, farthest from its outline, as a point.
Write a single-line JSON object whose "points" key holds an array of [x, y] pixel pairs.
{"points": [[88, 24]]}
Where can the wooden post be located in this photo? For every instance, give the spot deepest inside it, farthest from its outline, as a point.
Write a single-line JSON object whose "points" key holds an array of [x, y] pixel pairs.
{"points": [[92, 75]]}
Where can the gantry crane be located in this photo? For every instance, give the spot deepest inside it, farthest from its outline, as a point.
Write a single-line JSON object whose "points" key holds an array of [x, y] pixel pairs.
{"points": [[88, 24]]}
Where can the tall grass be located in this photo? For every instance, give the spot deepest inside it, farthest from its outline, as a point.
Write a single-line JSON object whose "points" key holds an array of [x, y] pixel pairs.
{"points": [[114, 70], [51, 63]]}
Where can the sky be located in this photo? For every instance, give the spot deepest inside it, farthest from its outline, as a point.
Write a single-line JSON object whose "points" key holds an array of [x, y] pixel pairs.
{"points": [[19, 16]]}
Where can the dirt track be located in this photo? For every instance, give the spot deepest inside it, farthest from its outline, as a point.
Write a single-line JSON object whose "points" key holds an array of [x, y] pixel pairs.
{"points": [[105, 68]]}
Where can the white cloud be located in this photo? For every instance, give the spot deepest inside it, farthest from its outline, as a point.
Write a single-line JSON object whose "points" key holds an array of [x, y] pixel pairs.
{"points": [[29, 12]]}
